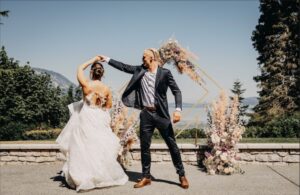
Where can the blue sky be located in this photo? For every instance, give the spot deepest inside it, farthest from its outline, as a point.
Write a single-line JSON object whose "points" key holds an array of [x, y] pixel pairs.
{"points": [[59, 35]]}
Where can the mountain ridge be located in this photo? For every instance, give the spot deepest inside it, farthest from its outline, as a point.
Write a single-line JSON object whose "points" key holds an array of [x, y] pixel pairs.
{"points": [[64, 83], [251, 101], [57, 79]]}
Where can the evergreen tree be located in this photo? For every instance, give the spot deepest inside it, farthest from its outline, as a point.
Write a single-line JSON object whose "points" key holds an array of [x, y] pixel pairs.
{"points": [[78, 94], [276, 39], [3, 14], [73, 94], [70, 96], [237, 90]]}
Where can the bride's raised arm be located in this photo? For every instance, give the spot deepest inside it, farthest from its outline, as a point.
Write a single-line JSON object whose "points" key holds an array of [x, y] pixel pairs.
{"points": [[80, 74]]}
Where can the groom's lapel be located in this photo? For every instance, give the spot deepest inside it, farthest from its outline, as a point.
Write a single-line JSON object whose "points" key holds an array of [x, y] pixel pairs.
{"points": [[157, 79], [141, 73], [136, 77]]}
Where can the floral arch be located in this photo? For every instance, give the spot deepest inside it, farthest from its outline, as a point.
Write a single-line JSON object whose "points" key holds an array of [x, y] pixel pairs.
{"points": [[124, 123]]}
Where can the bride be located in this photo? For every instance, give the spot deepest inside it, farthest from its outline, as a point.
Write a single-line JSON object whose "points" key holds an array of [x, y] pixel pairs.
{"points": [[87, 141]]}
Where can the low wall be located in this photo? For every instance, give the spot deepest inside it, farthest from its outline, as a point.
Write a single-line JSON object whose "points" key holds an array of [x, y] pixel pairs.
{"points": [[272, 154]]}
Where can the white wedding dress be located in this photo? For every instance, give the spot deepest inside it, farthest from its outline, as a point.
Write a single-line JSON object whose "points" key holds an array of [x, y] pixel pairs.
{"points": [[90, 147]]}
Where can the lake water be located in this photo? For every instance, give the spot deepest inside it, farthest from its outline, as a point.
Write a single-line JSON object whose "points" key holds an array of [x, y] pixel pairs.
{"points": [[189, 116]]}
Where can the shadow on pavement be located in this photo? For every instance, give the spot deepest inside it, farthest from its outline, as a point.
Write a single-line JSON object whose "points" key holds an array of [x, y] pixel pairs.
{"points": [[135, 176], [61, 179], [166, 181]]}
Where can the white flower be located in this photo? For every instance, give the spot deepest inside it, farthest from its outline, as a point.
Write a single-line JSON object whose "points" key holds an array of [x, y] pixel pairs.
{"points": [[223, 156], [218, 152], [215, 138], [217, 161], [211, 172], [220, 167], [231, 170]]}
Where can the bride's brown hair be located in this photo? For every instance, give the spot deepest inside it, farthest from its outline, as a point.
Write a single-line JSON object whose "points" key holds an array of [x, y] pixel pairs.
{"points": [[97, 71]]}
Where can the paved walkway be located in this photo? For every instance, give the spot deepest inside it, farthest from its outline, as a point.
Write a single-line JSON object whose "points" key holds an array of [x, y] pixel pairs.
{"points": [[258, 179]]}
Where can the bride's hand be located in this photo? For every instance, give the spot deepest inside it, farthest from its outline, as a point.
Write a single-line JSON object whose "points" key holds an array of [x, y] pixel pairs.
{"points": [[102, 58], [97, 58]]}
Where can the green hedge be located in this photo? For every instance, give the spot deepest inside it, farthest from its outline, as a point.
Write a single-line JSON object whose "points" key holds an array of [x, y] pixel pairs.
{"points": [[13, 131], [187, 133], [280, 127], [41, 134], [20, 131]]}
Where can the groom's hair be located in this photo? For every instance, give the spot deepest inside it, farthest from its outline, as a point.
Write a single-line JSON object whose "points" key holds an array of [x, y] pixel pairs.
{"points": [[155, 54], [97, 71]]}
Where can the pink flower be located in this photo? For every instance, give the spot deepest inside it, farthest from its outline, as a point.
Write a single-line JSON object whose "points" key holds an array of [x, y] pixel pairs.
{"points": [[207, 154]]}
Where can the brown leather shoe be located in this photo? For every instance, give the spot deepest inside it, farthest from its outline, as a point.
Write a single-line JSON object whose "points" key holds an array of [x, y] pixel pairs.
{"points": [[184, 182], [142, 182]]}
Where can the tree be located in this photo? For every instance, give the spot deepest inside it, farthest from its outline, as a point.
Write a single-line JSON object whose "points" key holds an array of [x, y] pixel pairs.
{"points": [[26, 98], [70, 96], [3, 14], [238, 91], [276, 39], [73, 94], [78, 94]]}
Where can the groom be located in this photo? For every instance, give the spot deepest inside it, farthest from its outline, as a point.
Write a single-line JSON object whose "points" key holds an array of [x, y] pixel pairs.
{"points": [[147, 91]]}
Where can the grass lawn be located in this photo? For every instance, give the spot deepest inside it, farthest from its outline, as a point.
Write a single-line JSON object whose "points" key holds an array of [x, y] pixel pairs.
{"points": [[187, 141]]}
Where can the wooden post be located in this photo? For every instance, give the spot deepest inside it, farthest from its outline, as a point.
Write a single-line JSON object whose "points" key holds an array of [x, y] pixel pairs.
{"points": [[197, 124], [196, 138]]}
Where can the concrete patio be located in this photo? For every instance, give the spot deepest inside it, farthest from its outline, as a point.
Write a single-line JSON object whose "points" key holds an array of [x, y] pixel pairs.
{"points": [[258, 179]]}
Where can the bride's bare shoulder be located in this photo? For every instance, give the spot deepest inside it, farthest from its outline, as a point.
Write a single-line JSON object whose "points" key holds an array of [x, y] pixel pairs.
{"points": [[102, 88]]}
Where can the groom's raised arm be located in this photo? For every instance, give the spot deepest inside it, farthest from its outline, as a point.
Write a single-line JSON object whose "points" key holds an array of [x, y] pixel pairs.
{"points": [[119, 65]]}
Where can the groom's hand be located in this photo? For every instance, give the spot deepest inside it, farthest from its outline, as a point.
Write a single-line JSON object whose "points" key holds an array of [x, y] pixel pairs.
{"points": [[176, 116], [103, 58]]}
